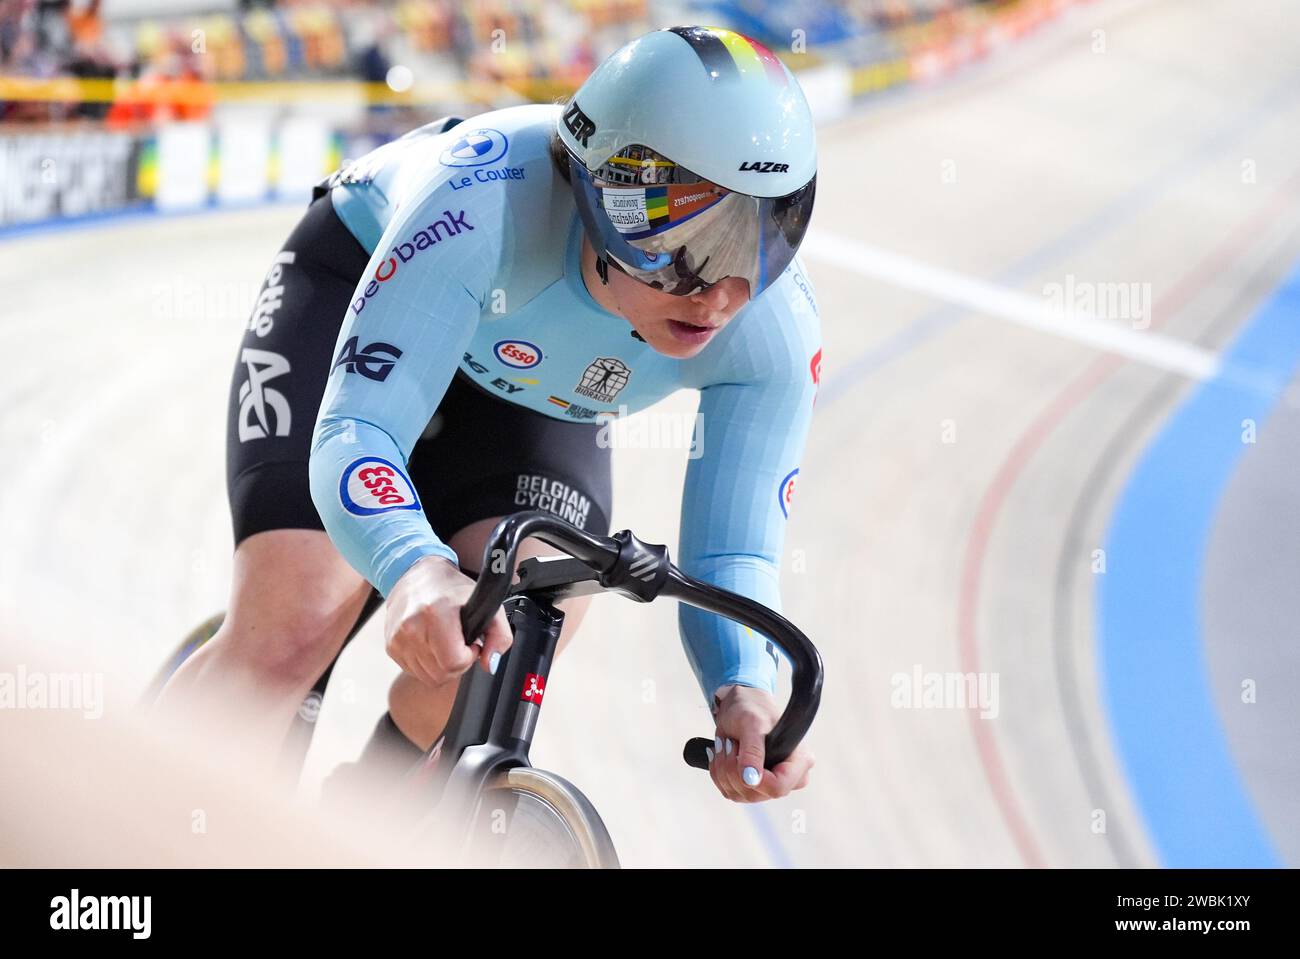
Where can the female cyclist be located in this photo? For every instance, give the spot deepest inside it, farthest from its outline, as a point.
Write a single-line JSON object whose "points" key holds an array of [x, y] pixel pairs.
{"points": [[437, 338]]}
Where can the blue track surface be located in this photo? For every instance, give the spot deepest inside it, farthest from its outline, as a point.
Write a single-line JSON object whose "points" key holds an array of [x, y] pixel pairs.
{"points": [[1155, 680]]}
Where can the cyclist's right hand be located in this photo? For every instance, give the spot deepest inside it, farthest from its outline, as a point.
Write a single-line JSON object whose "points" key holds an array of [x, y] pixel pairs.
{"points": [[422, 626]]}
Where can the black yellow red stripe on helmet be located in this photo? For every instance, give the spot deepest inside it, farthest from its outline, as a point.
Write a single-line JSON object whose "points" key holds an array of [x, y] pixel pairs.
{"points": [[732, 57]]}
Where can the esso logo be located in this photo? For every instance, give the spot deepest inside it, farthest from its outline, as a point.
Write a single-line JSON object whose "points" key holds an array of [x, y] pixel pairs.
{"points": [[786, 493], [518, 353], [372, 485]]}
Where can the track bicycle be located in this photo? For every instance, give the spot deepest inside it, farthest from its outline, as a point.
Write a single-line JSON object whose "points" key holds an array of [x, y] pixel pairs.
{"points": [[512, 813]]}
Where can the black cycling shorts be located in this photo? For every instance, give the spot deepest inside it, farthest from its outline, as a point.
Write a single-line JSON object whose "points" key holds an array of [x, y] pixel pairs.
{"points": [[480, 457]]}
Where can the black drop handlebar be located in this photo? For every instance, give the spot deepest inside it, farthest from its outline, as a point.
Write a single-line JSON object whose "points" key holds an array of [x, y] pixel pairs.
{"points": [[643, 571]]}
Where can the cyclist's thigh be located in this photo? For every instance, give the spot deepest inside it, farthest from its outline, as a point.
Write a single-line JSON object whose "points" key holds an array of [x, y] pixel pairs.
{"points": [[293, 597]]}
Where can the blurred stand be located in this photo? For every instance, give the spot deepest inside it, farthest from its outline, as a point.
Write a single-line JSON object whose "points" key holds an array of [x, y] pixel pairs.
{"points": [[112, 105]]}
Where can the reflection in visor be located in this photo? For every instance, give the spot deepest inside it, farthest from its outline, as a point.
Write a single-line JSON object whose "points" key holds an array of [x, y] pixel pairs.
{"points": [[686, 281], [663, 225]]}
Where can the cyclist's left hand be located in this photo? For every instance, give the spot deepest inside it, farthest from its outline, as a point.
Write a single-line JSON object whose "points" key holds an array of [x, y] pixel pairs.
{"points": [[743, 717]]}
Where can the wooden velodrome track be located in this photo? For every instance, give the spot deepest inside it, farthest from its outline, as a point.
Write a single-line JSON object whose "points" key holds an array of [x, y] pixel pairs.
{"points": [[960, 473]]}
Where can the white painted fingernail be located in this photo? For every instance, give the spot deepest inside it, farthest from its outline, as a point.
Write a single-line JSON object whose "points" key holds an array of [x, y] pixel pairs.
{"points": [[717, 743], [751, 776], [728, 747], [493, 662], [709, 752]]}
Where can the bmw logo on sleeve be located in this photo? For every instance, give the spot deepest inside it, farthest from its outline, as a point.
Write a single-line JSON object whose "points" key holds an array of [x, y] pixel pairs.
{"points": [[372, 485], [476, 148]]}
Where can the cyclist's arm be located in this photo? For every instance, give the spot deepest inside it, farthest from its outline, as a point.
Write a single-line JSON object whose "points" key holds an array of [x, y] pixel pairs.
{"points": [[426, 307], [733, 523]]}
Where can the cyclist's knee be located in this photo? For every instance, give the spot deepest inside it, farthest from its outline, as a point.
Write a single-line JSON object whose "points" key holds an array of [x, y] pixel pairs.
{"points": [[293, 651]]}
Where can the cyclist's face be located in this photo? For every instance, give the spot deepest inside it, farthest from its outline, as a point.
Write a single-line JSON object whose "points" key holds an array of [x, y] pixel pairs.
{"points": [[676, 326]]}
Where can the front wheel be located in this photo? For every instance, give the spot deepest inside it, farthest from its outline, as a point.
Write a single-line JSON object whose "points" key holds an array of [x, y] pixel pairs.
{"points": [[530, 818]]}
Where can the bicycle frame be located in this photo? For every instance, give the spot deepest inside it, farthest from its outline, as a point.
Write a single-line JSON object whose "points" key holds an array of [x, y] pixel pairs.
{"points": [[494, 718]]}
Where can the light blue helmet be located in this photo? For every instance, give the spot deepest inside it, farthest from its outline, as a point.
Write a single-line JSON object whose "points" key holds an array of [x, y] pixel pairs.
{"points": [[692, 157]]}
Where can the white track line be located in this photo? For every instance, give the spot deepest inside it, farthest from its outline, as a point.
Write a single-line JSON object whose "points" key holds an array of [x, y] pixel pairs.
{"points": [[1036, 313]]}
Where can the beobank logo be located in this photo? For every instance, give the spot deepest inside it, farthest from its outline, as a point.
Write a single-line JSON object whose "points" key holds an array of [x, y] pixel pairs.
{"points": [[520, 354], [443, 228]]}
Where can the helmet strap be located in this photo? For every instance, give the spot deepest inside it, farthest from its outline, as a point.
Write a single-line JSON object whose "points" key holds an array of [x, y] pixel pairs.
{"points": [[602, 270]]}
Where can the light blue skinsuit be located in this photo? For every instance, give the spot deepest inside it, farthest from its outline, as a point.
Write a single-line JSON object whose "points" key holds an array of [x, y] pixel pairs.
{"points": [[474, 241]]}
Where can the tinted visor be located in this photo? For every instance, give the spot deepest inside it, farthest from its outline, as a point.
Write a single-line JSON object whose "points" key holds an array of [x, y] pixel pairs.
{"points": [[669, 228]]}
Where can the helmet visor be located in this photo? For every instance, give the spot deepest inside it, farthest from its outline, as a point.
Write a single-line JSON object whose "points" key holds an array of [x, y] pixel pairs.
{"points": [[672, 230]]}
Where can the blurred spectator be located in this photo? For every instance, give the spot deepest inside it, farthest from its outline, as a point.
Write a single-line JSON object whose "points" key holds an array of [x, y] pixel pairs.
{"points": [[12, 36], [170, 87], [85, 24], [88, 58], [372, 62], [538, 49]]}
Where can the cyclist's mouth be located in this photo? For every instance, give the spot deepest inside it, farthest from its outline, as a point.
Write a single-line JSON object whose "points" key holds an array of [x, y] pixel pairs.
{"points": [[690, 332]]}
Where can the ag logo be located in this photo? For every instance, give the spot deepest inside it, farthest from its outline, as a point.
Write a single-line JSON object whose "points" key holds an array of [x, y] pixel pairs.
{"points": [[603, 379], [372, 485], [375, 362], [254, 397], [785, 495], [476, 148], [520, 354]]}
